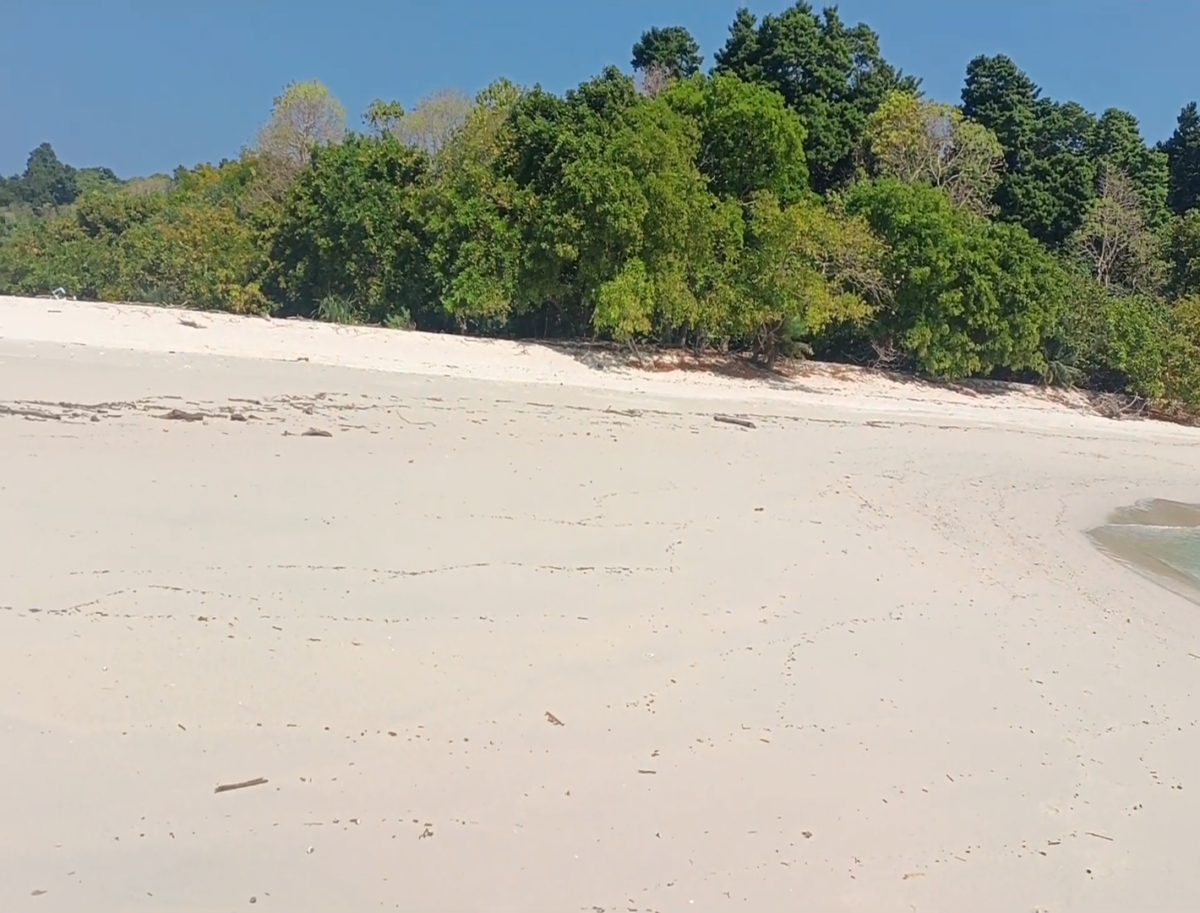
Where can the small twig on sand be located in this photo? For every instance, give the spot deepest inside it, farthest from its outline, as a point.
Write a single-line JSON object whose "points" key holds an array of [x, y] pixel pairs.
{"points": [[734, 420], [1101, 836], [226, 787], [553, 720], [409, 421]]}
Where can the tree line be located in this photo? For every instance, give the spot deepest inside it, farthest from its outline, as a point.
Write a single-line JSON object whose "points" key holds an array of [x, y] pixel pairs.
{"points": [[800, 197]]}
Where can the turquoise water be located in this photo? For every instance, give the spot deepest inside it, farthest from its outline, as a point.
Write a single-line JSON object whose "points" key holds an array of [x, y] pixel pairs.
{"points": [[1159, 539]]}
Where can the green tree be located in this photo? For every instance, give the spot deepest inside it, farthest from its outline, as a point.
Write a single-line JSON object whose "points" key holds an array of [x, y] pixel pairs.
{"points": [[750, 140], [47, 182], [671, 50], [617, 223], [545, 138], [1182, 254], [803, 269], [1136, 344], [351, 228], [1049, 178], [97, 180], [834, 76], [1117, 145], [927, 142], [970, 296], [1112, 340], [474, 247], [1183, 161], [383, 116], [197, 249], [741, 55]]}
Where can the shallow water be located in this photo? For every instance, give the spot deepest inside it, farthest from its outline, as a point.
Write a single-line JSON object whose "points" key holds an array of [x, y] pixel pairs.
{"points": [[1159, 539]]}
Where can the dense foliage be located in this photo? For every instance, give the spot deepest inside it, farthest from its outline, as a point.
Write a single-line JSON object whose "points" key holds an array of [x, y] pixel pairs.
{"points": [[801, 196]]}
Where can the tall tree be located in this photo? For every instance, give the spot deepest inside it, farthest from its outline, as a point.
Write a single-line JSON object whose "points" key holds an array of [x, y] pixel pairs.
{"points": [[672, 50], [47, 182], [474, 247], [1049, 177], [1183, 157], [834, 76], [617, 222], [1117, 144], [351, 229], [740, 55], [750, 140]]}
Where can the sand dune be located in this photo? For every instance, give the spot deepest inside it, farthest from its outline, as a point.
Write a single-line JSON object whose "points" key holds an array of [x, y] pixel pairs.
{"points": [[515, 634]]}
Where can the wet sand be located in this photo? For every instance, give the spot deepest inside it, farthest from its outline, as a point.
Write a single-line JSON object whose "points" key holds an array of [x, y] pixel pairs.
{"points": [[548, 645]]}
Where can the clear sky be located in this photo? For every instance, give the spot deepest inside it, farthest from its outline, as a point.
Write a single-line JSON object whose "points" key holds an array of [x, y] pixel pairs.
{"points": [[144, 85]]}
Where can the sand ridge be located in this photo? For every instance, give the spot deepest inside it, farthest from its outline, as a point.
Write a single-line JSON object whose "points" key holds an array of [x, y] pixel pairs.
{"points": [[551, 645]]}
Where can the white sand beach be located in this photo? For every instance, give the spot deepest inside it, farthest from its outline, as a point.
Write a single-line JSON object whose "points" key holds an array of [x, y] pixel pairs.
{"points": [[510, 632]]}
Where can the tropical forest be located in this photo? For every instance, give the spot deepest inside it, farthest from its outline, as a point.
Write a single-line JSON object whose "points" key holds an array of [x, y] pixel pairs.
{"points": [[792, 196]]}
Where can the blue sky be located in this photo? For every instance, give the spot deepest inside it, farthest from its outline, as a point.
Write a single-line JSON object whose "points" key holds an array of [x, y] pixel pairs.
{"points": [[144, 85]]}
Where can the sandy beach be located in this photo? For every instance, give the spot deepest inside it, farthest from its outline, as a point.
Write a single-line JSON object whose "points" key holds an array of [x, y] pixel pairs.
{"points": [[503, 631]]}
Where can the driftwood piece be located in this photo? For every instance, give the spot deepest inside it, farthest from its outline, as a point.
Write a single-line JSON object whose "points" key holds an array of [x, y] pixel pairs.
{"points": [[227, 787], [181, 415], [734, 420]]}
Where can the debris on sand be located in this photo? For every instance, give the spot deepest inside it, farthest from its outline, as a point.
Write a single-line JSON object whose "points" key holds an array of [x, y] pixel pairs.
{"points": [[181, 415], [734, 420], [30, 413], [227, 787]]}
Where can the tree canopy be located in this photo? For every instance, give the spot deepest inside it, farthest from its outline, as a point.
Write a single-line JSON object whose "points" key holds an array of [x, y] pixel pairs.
{"points": [[672, 50]]}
